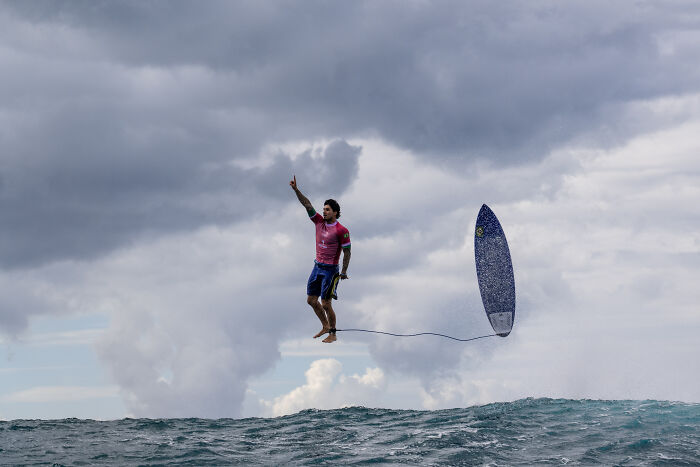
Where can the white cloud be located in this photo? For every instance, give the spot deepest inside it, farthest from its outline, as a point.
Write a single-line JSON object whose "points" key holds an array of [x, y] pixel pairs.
{"points": [[327, 388], [606, 273], [201, 328]]}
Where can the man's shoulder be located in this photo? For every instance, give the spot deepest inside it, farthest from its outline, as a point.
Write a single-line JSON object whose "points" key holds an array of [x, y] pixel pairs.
{"points": [[342, 232]]}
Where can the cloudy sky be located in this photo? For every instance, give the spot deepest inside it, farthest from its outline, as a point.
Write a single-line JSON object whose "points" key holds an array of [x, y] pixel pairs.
{"points": [[153, 259]]}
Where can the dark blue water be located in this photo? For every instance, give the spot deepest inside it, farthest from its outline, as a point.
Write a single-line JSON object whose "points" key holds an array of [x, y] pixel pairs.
{"points": [[525, 432]]}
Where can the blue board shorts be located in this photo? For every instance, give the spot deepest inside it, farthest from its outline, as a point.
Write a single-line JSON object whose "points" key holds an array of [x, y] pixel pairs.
{"points": [[323, 281]]}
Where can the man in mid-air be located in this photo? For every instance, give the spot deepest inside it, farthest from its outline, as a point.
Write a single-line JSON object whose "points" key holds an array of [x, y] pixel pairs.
{"points": [[331, 238]]}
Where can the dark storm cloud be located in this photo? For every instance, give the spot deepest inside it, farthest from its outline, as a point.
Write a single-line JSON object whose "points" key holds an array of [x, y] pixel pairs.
{"points": [[439, 76], [121, 118], [83, 207]]}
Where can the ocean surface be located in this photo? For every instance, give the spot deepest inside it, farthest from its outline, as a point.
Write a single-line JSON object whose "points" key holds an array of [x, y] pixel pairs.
{"points": [[524, 432]]}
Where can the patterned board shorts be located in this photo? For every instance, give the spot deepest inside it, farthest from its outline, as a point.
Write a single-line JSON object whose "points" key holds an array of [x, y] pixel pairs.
{"points": [[323, 281]]}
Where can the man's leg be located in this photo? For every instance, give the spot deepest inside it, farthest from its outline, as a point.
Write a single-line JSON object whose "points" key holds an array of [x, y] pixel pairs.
{"points": [[328, 308], [320, 313]]}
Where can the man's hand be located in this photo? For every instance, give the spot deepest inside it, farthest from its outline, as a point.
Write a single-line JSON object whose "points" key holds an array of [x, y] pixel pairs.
{"points": [[293, 183], [346, 263]]}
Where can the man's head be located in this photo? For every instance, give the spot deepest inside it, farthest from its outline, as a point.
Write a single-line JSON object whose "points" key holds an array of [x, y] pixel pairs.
{"points": [[331, 210]]}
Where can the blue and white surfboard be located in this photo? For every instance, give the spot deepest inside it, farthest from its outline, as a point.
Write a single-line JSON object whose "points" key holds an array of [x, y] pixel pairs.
{"points": [[494, 271]]}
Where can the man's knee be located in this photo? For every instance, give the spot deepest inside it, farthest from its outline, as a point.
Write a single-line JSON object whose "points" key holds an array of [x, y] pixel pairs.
{"points": [[327, 303], [311, 300]]}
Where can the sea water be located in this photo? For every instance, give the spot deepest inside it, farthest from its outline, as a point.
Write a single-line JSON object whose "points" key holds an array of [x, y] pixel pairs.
{"points": [[524, 432]]}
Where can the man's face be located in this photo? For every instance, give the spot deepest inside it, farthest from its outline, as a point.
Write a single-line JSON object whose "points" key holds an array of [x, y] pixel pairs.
{"points": [[327, 213]]}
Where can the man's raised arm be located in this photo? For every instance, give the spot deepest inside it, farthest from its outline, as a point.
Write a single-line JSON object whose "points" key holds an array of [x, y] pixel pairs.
{"points": [[302, 199]]}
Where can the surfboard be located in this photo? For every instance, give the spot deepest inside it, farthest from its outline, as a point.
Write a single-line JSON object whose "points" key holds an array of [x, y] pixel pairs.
{"points": [[494, 270]]}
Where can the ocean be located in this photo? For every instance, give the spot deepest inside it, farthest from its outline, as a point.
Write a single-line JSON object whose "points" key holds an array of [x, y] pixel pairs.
{"points": [[524, 432]]}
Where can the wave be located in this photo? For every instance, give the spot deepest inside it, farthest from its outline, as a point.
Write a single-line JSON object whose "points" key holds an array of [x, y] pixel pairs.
{"points": [[523, 432]]}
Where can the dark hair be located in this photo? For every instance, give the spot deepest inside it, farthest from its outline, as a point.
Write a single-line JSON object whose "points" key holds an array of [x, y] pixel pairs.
{"points": [[334, 206]]}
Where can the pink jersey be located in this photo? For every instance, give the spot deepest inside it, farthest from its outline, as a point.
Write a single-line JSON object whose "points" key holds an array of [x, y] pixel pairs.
{"points": [[330, 238]]}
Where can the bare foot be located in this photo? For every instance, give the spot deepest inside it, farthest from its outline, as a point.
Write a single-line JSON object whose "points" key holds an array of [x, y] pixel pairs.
{"points": [[322, 332], [330, 338]]}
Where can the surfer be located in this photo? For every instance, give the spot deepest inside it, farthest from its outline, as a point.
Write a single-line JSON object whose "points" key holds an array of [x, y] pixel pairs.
{"points": [[331, 238]]}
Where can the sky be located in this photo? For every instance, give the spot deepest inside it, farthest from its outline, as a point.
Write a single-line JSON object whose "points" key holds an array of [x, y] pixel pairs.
{"points": [[153, 258]]}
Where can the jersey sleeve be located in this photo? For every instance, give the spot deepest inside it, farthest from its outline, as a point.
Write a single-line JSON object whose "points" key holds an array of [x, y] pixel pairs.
{"points": [[344, 237], [315, 217]]}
